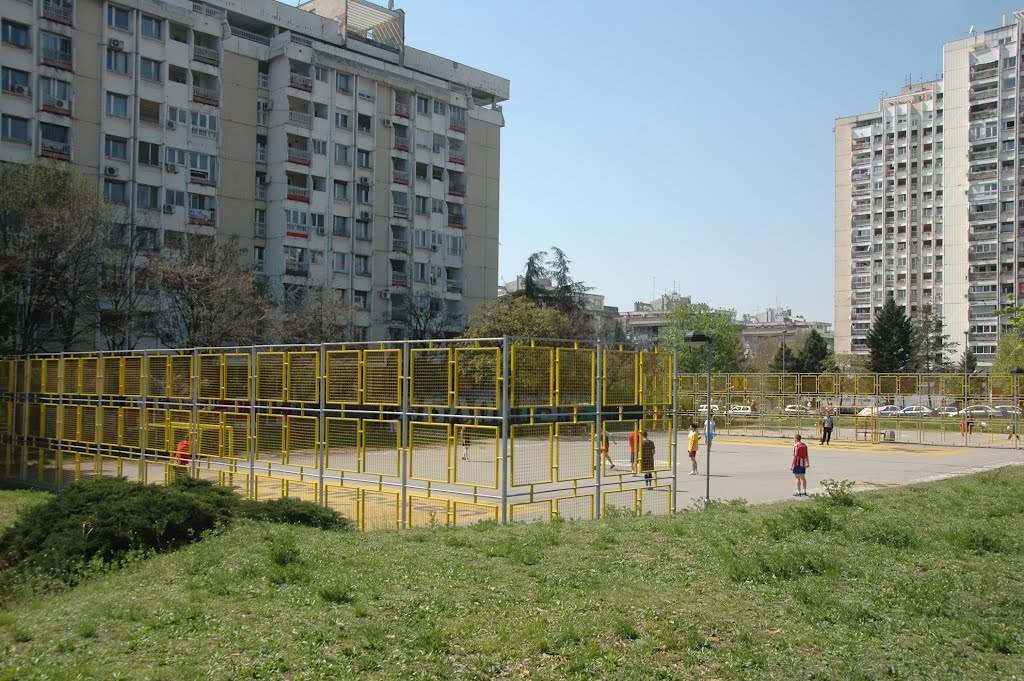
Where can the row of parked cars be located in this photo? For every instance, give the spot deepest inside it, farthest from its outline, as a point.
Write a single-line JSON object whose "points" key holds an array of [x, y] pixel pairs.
{"points": [[919, 410]]}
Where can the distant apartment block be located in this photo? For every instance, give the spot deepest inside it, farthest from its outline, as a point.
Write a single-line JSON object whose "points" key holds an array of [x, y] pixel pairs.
{"points": [[928, 193], [333, 151]]}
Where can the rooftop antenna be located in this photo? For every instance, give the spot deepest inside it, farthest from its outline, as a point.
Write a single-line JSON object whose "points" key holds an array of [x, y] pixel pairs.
{"points": [[970, 31]]}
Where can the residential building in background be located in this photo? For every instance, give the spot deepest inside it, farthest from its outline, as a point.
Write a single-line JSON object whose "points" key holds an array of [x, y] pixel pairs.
{"points": [[604, 318], [777, 325], [647, 320], [333, 151], [928, 192]]}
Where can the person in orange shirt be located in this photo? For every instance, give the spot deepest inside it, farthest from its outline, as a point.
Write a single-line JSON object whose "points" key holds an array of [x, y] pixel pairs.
{"points": [[183, 453]]}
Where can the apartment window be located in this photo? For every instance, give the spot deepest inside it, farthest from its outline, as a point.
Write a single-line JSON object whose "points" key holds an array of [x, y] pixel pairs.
{"points": [[363, 193], [178, 157], [1009, 145], [152, 27], [422, 105], [436, 206], [362, 264], [340, 190], [13, 78], [149, 153], [340, 262], [202, 166], [115, 147], [149, 69], [115, 191], [1009, 62], [341, 154], [340, 225], [204, 125], [56, 48], [455, 244], [319, 147], [420, 238], [147, 196], [55, 138], [56, 89], [177, 115], [364, 158], [364, 123], [419, 271], [117, 105], [439, 107], [174, 197], [341, 119], [342, 82], [117, 17], [320, 73], [421, 204], [317, 220], [117, 61], [15, 34]]}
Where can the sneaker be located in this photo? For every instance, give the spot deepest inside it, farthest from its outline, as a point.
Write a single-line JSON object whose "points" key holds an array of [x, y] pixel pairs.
{"points": [[613, 466], [797, 494], [692, 473]]}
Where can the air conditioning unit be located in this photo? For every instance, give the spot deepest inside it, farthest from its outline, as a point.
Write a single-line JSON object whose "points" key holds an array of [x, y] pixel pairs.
{"points": [[433, 247], [387, 122], [363, 179], [433, 280], [171, 125], [364, 215], [110, 171], [168, 208], [20, 89], [171, 168], [115, 44], [60, 103], [385, 294]]}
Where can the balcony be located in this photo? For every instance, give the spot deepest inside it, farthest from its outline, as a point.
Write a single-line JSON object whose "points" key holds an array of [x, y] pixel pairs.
{"points": [[400, 245], [296, 155], [457, 156], [204, 132], [455, 220], [249, 35], [55, 149], [201, 216], [457, 124], [56, 57], [399, 279], [296, 269], [977, 95], [296, 229], [988, 72], [205, 95], [401, 109], [206, 10], [261, 193], [400, 177], [400, 211], [982, 155], [57, 11], [453, 286], [300, 82], [981, 215], [206, 55], [457, 189], [986, 174], [56, 105], [401, 142], [298, 193]]}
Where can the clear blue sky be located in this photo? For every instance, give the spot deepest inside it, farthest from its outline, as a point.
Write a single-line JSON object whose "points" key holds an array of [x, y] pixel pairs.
{"points": [[686, 145]]}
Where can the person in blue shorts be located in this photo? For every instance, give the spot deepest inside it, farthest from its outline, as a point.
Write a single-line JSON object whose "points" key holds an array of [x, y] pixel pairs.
{"points": [[799, 466]]}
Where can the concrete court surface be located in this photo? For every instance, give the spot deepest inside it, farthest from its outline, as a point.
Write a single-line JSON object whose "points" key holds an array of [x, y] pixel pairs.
{"points": [[757, 469]]}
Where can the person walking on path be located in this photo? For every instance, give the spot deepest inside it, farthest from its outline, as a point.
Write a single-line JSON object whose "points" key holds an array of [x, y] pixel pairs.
{"points": [[607, 456], [691, 448], [799, 466], [647, 459], [632, 450], [826, 428]]}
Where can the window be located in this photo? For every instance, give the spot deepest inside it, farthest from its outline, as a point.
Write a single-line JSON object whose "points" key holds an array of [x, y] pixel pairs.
{"points": [[436, 206], [363, 193], [117, 61], [341, 154], [149, 69], [320, 147], [15, 34], [320, 73], [56, 48], [177, 115], [174, 197], [421, 205], [340, 263], [364, 158], [362, 264], [117, 105], [117, 17], [317, 220], [152, 27], [178, 157], [363, 230], [55, 138], [13, 78], [115, 147], [116, 191], [340, 190], [341, 119], [202, 166], [54, 89], [296, 220], [149, 153], [147, 196], [422, 105], [204, 125], [340, 225], [342, 82], [439, 107], [420, 238]]}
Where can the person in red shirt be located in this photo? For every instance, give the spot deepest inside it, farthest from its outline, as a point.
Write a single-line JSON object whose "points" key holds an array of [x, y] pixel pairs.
{"points": [[632, 450], [799, 466], [183, 453]]}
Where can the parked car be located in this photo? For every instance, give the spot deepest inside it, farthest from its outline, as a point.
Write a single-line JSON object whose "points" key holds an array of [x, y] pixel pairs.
{"points": [[740, 410], [976, 411], [948, 410], [880, 412], [1008, 410], [797, 409], [714, 409], [917, 410]]}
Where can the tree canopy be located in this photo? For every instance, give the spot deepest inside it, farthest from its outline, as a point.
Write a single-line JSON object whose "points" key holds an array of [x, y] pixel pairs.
{"points": [[514, 316], [726, 347], [891, 341]]}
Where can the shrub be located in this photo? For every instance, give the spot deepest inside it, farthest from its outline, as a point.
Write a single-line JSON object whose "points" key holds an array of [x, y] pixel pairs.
{"points": [[295, 512], [838, 493]]}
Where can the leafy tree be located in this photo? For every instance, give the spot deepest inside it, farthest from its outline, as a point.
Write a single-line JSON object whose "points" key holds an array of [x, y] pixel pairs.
{"points": [[813, 354], [548, 283], [210, 295], [786, 358], [1009, 354], [427, 316], [845, 363], [891, 341], [126, 309], [726, 348], [314, 314], [933, 346], [514, 316]]}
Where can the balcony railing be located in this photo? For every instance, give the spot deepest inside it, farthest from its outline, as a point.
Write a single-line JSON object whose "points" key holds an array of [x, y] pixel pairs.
{"points": [[296, 155], [457, 124], [296, 269], [982, 155], [400, 211], [296, 227], [201, 216], [51, 102], [978, 74], [401, 109], [249, 35], [457, 156], [263, 80], [975, 216], [205, 93], [55, 147], [399, 279], [402, 142], [201, 8], [57, 11], [400, 245], [55, 56], [457, 189], [304, 120], [206, 54], [986, 93], [298, 193], [204, 132], [400, 176], [300, 81], [454, 286]]}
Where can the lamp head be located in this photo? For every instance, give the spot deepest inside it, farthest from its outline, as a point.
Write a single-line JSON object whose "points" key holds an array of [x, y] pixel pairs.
{"points": [[696, 338]]}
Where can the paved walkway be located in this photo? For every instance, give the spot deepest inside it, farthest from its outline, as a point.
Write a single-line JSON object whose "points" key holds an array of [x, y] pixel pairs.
{"points": [[757, 469]]}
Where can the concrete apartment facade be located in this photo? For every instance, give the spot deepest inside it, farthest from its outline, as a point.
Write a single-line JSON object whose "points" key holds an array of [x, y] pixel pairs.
{"points": [[928, 192], [332, 151]]}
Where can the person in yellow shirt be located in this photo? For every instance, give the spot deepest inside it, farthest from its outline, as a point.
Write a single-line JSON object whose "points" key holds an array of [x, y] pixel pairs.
{"points": [[691, 448]]}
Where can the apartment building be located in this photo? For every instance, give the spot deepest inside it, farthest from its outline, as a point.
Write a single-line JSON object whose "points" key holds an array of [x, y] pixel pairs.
{"points": [[928, 191], [334, 152]]}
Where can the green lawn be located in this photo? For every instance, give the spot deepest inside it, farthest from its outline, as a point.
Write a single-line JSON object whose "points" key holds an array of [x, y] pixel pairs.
{"points": [[922, 582]]}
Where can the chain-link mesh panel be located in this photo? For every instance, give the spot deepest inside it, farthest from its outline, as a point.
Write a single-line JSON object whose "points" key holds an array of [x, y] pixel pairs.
{"points": [[429, 451], [476, 377], [270, 376], [1001, 385], [530, 512], [51, 419], [477, 459], [532, 377], [344, 378], [382, 377], [88, 376], [532, 450], [236, 377], [656, 378], [109, 431], [380, 510], [381, 447], [574, 451], [301, 441], [270, 438], [156, 375], [576, 384], [87, 425], [7, 376], [623, 500], [156, 430], [343, 500], [620, 382], [303, 377], [211, 377], [467, 513], [431, 377], [111, 381], [211, 432], [888, 385], [575, 508], [301, 489], [131, 420], [342, 445], [427, 512], [35, 376], [51, 376], [236, 435], [808, 384], [656, 500], [180, 377], [131, 376]]}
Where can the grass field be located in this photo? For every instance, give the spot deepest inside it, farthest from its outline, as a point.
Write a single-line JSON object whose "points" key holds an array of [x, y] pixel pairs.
{"points": [[922, 582]]}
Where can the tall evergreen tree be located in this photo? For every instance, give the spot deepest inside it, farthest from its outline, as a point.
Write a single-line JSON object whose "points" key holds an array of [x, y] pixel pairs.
{"points": [[791, 365], [934, 348], [814, 354], [891, 341], [968, 362]]}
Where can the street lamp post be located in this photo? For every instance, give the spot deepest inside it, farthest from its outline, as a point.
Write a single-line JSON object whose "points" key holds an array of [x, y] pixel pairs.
{"points": [[696, 339], [966, 422], [783, 350]]}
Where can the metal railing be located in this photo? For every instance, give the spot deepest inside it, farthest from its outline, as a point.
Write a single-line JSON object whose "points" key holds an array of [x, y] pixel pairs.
{"points": [[56, 56], [205, 93], [300, 80], [55, 147], [300, 192], [304, 120], [206, 53], [57, 11], [296, 154]]}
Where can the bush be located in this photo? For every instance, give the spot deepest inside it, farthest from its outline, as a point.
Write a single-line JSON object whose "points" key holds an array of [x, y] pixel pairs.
{"points": [[295, 512], [110, 520], [838, 493]]}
